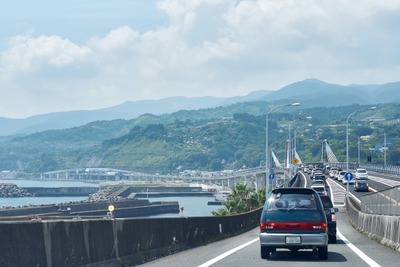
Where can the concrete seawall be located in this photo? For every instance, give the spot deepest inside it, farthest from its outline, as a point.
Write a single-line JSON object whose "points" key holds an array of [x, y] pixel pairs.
{"points": [[117, 242]]}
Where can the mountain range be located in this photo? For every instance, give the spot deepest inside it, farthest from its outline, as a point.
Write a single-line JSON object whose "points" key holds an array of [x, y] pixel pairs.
{"points": [[310, 93]]}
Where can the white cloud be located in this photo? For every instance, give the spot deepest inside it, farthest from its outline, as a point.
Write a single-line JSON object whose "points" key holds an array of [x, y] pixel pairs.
{"points": [[120, 38], [208, 47], [27, 54]]}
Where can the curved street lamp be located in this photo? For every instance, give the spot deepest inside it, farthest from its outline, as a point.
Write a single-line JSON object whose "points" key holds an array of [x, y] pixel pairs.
{"points": [[267, 159], [347, 141]]}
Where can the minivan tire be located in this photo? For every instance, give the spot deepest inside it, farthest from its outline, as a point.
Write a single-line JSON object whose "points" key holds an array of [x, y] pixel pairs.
{"points": [[266, 251], [323, 253]]}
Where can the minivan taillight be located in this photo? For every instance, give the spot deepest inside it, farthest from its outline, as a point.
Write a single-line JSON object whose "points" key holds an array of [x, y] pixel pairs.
{"points": [[293, 226]]}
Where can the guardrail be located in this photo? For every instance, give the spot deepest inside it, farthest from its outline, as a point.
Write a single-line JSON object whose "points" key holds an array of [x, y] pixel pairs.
{"points": [[385, 202], [382, 228], [388, 169]]}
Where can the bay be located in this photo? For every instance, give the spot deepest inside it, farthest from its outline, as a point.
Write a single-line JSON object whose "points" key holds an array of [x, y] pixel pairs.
{"points": [[26, 201], [192, 206]]}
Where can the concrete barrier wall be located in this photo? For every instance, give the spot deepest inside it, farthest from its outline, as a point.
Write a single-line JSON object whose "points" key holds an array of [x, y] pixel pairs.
{"points": [[117, 242], [382, 228]]}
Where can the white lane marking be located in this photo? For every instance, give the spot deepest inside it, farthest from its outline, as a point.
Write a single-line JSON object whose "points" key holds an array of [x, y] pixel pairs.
{"points": [[356, 250], [226, 254], [359, 253], [305, 180], [330, 191]]}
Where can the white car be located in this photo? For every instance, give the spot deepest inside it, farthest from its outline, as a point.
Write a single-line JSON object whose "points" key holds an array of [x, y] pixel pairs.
{"points": [[333, 173], [340, 176], [361, 173]]}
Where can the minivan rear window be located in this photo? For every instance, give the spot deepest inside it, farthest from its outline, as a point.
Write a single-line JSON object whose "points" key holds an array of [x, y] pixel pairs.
{"points": [[292, 201]]}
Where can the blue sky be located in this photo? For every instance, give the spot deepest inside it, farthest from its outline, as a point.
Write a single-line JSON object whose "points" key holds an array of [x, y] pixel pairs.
{"points": [[82, 55]]}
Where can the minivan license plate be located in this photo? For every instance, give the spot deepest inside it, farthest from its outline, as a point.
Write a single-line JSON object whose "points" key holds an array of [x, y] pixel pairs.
{"points": [[293, 240]]}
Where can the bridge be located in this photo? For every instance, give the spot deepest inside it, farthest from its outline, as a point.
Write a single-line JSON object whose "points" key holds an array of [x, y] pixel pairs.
{"points": [[254, 177]]}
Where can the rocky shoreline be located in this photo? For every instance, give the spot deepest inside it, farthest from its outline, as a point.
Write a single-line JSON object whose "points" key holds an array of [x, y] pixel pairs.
{"points": [[12, 190]]}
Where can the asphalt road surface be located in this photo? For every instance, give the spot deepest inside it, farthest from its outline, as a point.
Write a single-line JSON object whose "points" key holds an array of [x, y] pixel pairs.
{"points": [[352, 249]]}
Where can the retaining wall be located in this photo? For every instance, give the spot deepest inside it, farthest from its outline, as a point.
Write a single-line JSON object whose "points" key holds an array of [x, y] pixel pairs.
{"points": [[382, 228], [118, 242]]}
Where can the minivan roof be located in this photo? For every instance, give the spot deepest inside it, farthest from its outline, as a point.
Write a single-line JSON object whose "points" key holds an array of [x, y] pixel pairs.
{"points": [[301, 190]]}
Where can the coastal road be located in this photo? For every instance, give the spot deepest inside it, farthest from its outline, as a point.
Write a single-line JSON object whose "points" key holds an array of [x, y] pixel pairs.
{"points": [[351, 249]]}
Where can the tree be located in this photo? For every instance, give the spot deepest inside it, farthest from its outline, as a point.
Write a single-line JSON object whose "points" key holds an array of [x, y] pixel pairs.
{"points": [[241, 200]]}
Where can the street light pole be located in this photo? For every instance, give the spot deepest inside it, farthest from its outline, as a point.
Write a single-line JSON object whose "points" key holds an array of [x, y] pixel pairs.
{"points": [[347, 141], [384, 149], [359, 150], [267, 153]]}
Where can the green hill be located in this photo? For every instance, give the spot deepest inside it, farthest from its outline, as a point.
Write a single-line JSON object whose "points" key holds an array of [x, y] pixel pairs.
{"points": [[228, 137]]}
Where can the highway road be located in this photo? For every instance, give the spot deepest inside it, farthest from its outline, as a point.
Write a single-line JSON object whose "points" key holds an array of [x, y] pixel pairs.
{"points": [[352, 248]]}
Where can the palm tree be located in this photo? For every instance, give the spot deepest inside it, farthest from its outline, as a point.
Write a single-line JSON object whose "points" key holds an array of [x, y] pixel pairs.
{"points": [[241, 200], [257, 199]]}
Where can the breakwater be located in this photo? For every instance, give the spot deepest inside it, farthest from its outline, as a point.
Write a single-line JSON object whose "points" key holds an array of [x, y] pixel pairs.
{"points": [[60, 191], [11, 190], [123, 208], [123, 198]]}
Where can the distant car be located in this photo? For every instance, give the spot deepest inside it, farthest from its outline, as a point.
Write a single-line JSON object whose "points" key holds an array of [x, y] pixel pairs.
{"points": [[361, 185], [321, 189], [310, 168], [340, 176], [361, 173], [333, 172], [294, 219], [330, 213], [318, 182], [316, 171], [319, 176]]}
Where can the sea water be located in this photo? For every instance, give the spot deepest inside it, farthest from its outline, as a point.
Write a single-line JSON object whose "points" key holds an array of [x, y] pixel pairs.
{"points": [[25, 201], [192, 206]]}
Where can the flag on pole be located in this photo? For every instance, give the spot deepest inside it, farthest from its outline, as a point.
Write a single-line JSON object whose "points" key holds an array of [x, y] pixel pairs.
{"points": [[296, 159]]}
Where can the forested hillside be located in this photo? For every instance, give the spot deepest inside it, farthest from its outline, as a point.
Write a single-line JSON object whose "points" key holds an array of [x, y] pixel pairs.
{"points": [[220, 138]]}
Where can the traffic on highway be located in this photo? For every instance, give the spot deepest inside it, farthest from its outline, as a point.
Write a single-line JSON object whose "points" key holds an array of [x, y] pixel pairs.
{"points": [[349, 248]]}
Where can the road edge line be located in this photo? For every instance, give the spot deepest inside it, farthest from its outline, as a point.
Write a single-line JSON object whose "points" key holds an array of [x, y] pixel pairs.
{"points": [[226, 254], [356, 250]]}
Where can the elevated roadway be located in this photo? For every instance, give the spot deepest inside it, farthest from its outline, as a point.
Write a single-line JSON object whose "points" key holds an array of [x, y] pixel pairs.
{"points": [[352, 247]]}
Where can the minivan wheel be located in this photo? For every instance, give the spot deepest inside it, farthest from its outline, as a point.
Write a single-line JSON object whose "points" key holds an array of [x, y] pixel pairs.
{"points": [[265, 252], [323, 252], [332, 239]]}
